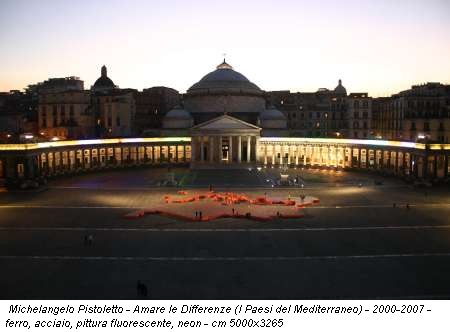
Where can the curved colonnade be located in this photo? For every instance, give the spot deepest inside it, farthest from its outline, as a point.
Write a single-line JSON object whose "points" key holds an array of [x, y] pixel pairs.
{"points": [[30, 161]]}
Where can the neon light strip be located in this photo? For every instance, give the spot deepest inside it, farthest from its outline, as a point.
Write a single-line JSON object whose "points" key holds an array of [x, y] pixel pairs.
{"points": [[57, 144], [344, 141], [303, 140]]}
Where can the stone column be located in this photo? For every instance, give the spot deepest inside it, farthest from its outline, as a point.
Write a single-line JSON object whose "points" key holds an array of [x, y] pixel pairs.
{"points": [[446, 166], [211, 149], [388, 161], [396, 162], [220, 149], [359, 158], [435, 168], [351, 157], [230, 149], [273, 155], [248, 148], [336, 156], [256, 149], [202, 149], [412, 164], [239, 149], [403, 163], [193, 143], [297, 152], [265, 154], [289, 155]]}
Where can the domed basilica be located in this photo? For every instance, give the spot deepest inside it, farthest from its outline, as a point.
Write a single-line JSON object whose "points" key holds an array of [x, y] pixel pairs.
{"points": [[225, 114], [224, 91]]}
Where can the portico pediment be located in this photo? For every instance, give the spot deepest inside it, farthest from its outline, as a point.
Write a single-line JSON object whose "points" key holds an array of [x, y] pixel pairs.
{"points": [[225, 123]]}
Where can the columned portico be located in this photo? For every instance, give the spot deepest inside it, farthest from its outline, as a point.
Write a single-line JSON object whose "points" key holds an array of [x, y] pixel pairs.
{"points": [[237, 143]]}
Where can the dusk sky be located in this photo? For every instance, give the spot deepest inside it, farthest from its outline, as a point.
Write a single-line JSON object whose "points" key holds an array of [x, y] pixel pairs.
{"points": [[379, 46]]}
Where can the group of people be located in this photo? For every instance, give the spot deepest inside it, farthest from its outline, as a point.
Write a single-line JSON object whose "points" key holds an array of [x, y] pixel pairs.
{"points": [[88, 240]]}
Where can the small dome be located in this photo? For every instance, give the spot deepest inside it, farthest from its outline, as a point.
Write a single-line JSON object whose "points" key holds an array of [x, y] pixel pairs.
{"points": [[177, 118], [271, 118], [271, 113], [340, 89], [178, 113], [103, 82]]}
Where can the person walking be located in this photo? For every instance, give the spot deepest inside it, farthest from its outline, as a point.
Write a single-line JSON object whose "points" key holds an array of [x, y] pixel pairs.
{"points": [[90, 240]]}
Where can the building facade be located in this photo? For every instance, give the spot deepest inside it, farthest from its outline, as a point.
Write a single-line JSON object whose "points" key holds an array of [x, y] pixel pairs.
{"points": [[325, 113], [152, 105], [418, 114], [66, 114]]}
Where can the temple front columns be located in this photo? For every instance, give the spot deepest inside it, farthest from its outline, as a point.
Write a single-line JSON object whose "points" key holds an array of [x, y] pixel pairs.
{"points": [[211, 148], [239, 149], [230, 149], [202, 149], [248, 148], [220, 149], [193, 150]]}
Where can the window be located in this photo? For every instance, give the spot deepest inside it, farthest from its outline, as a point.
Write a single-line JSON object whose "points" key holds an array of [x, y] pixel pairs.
{"points": [[356, 104], [426, 126], [118, 121]]}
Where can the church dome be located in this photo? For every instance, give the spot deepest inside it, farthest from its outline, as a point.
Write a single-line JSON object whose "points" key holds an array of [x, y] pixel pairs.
{"points": [[224, 79], [271, 118], [177, 118], [271, 113], [340, 89], [103, 82]]}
